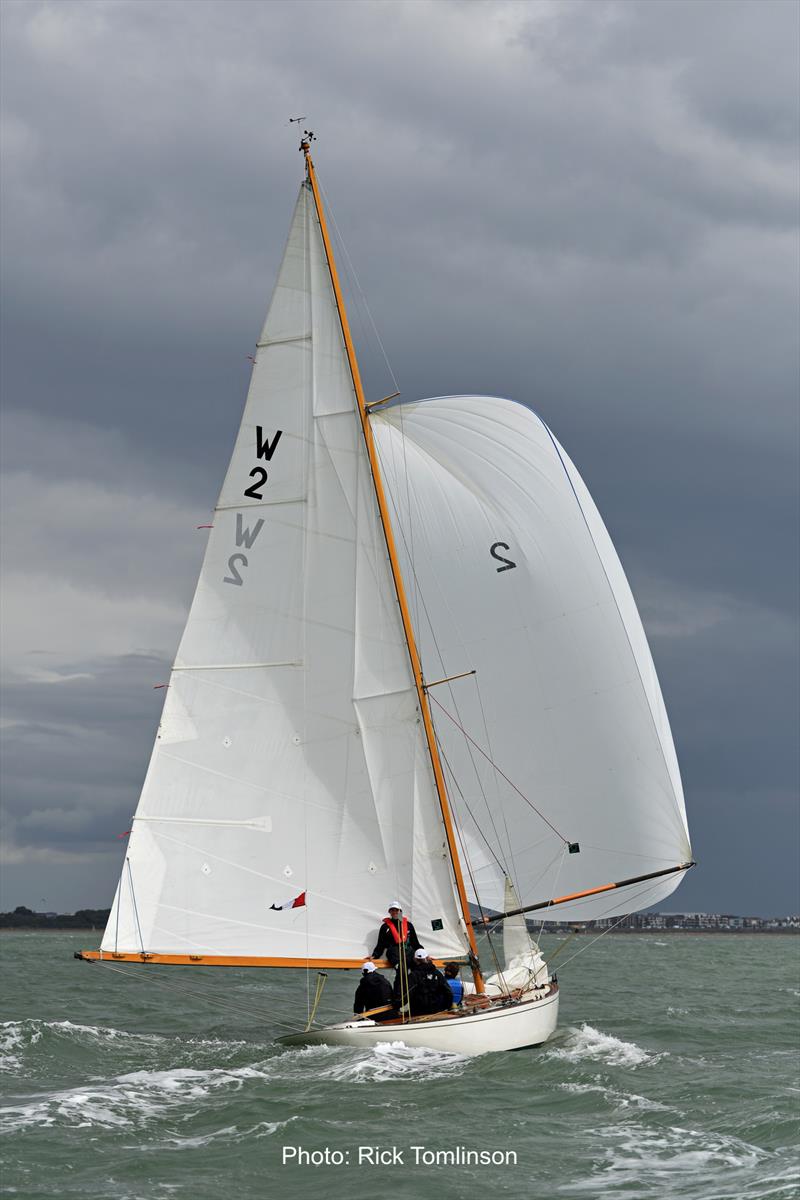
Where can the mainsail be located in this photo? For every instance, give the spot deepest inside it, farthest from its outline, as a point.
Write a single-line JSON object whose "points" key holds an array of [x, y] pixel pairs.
{"points": [[512, 575], [291, 756]]}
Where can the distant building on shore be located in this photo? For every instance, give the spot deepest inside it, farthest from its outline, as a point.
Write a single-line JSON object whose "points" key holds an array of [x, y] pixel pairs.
{"points": [[692, 922]]}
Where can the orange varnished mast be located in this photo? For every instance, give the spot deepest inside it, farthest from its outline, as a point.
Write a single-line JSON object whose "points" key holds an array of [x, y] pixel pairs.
{"points": [[395, 565]]}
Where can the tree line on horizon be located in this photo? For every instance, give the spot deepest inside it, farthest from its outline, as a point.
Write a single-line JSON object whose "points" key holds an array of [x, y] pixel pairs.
{"points": [[26, 918]]}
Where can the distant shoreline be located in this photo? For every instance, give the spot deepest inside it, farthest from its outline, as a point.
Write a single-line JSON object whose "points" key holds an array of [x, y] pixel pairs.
{"points": [[552, 932], [50, 929]]}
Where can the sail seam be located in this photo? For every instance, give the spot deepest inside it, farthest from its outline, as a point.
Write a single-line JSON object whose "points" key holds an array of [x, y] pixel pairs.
{"points": [[282, 341], [261, 504], [264, 824], [239, 666]]}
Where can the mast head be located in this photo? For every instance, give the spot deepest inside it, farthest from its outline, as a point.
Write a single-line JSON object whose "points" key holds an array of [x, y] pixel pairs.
{"points": [[307, 138], [305, 144]]}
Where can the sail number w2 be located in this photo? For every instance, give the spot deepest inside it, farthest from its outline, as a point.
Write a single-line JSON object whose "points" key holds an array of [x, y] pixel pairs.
{"points": [[245, 535], [507, 563]]}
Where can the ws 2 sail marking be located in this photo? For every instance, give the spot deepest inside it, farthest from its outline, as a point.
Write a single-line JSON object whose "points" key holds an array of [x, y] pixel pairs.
{"points": [[501, 558], [245, 536]]}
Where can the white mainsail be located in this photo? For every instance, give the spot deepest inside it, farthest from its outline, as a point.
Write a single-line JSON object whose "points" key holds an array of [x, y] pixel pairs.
{"points": [[511, 573], [290, 757]]}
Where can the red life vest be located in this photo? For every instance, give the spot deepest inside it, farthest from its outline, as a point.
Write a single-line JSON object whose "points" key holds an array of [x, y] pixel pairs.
{"points": [[394, 931]]}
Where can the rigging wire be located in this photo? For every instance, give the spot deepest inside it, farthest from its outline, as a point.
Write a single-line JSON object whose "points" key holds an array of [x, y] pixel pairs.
{"points": [[500, 805], [133, 898], [342, 243], [494, 764], [322, 977], [308, 382], [468, 861], [554, 889], [202, 994], [650, 887], [419, 594], [465, 802]]}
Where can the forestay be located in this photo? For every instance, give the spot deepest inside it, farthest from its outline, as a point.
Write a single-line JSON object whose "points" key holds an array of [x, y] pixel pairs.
{"points": [[290, 756], [511, 573]]}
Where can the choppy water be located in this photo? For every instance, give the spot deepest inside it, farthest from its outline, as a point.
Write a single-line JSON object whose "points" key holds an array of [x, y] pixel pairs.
{"points": [[674, 1074]]}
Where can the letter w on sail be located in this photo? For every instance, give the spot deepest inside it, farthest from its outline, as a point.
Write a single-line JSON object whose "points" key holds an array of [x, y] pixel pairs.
{"points": [[264, 447], [245, 536]]}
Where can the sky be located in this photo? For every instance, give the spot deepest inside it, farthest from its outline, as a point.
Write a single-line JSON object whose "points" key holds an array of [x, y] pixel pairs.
{"points": [[591, 208]]}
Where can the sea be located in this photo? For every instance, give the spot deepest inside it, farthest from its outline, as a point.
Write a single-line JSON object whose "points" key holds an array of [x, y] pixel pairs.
{"points": [[673, 1074]]}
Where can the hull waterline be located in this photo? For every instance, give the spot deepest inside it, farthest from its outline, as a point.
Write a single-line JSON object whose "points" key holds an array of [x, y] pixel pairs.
{"points": [[511, 1027]]}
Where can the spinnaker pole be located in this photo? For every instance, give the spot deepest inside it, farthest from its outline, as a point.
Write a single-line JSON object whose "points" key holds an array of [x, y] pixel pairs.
{"points": [[595, 891]]}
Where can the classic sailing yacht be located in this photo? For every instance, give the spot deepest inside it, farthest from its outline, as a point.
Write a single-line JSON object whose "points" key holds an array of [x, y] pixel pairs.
{"points": [[413, 666]]}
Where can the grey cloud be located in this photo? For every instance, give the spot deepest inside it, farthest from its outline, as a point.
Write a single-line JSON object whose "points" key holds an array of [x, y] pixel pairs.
{"points": [[589, 207]]}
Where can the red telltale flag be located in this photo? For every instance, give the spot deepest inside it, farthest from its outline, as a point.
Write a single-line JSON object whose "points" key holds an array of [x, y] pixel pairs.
{"points": [[298, 902]]}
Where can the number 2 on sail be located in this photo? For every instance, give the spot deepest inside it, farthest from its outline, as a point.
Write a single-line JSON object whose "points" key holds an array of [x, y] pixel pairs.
{"points": [[500, 558]]}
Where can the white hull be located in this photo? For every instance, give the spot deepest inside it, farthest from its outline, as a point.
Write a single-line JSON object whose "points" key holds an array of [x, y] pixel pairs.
{"points": [[528, 1022]]}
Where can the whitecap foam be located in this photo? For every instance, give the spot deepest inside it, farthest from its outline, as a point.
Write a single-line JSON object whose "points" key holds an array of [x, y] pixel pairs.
{"points": [[641, 1149], [230, 1133], [382, 1062], [615, 1098], [15, 1037], [128, 1100], [640, 1161], [395, 1060], [589, 1043]]}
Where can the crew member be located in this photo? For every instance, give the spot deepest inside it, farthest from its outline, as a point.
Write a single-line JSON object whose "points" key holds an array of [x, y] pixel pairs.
{"points": [[397, 937], [451, 970], [422, 990], [373, 991]]}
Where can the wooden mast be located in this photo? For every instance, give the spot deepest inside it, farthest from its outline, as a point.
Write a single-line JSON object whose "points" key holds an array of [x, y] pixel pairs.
{"points": [[408, 629]]}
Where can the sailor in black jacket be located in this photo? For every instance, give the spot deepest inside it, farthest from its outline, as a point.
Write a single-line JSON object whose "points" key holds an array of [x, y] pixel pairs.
{"points": [[423, 990], [374, 991], [396, 932]]}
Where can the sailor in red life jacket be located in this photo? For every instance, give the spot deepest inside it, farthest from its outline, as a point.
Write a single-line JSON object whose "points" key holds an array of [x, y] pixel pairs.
{"points": [[397, 935]]}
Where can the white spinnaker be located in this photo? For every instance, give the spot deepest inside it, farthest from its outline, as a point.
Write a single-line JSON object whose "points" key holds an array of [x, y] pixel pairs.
{"points": [[290, 756], [565, 700]]}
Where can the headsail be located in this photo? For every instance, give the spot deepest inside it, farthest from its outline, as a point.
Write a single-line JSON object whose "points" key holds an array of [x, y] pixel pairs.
{"points": [[516, 939], [290, 756], [517, 579]]}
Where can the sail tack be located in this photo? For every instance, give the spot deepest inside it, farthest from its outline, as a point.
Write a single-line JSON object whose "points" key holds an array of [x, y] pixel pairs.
{"points": [[515, 577], [290, 756]]}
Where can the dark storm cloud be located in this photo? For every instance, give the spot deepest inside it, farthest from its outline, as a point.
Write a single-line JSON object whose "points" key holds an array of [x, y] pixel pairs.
{"points": [[590, 207]]}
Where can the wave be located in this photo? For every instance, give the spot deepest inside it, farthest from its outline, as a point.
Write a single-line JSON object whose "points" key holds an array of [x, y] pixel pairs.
{"points": [[132, 1099], [590, 1043], [616, 1098], [384, 1062], [229, 1134], [16, 1037], [640, 1162]]}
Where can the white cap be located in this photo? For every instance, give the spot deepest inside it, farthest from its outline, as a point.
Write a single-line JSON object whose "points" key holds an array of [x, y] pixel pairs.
{"points": [[395, 904], [368, 966], [420, 953]]}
